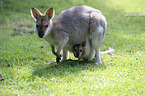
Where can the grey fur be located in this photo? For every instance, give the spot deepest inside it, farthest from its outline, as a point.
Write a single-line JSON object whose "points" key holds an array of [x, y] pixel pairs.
{"points": [[75, 24]]}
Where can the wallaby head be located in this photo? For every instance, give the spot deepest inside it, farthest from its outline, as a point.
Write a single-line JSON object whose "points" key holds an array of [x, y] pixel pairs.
{"points": [[78, 48], [43, 21]]}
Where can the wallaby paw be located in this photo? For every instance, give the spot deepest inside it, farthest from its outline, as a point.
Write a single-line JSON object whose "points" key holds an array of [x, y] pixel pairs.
{"points": [[58, 59]]}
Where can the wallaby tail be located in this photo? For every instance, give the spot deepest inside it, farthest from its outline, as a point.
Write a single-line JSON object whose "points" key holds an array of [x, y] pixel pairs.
{"points": [[111, 50]]}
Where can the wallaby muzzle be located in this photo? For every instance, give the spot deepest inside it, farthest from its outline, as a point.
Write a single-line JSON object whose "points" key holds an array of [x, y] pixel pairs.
{"points": [[40, 34]]}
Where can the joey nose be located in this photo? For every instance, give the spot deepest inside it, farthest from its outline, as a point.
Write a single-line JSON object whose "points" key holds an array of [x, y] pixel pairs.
{"points": [[76, 55]]}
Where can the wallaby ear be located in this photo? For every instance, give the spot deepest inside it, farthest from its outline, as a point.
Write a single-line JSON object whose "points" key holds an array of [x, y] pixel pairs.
{"points": [[49, 13], [83, 43], [35, 13]]}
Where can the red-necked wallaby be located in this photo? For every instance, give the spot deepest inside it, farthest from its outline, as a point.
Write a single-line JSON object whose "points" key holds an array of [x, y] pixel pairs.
{"points": [[82, 50], [77, 23]]}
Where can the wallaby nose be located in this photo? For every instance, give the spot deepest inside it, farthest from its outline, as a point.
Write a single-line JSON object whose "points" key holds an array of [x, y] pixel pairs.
{"points": [[40, 34]]}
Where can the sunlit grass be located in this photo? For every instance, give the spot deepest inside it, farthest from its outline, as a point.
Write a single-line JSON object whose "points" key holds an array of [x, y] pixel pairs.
{"points": [[25, 58]]}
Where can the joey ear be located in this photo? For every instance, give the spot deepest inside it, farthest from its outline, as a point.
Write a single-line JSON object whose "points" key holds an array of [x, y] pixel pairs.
{"points": [[83, 43], [49, 13], [35, 13]]}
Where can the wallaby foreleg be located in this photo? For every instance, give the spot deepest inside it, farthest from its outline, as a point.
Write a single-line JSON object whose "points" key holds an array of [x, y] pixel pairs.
{"points": [[64, 39], [53, 50], [57, 54]]}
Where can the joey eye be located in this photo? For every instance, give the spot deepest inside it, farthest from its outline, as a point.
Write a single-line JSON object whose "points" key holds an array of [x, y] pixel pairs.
{"points": [[75, 50], [46, 25], [37, 26], [81, 50]]}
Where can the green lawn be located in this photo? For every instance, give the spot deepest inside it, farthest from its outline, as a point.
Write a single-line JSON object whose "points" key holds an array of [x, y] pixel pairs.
{"points": [[25, 58]]}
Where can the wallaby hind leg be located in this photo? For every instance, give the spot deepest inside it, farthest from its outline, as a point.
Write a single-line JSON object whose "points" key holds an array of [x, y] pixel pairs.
{"points": [[97, 51], [97, 39], [92, 51], [98, 26]]}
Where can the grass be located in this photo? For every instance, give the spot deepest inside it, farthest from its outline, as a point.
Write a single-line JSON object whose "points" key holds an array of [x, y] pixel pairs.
{"points": [[25, 58]]}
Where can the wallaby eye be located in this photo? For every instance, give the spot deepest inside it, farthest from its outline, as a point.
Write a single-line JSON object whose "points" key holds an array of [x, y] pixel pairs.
{"points": [[37, 26], [46, 25]]}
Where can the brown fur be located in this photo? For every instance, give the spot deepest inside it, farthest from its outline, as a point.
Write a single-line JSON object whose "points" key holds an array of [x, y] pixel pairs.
{"points": [[79, 49], [81, 46]]}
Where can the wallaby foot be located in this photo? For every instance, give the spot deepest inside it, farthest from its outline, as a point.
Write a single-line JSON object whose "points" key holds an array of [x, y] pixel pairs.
{"points": [[97, 63], [98, 59]]}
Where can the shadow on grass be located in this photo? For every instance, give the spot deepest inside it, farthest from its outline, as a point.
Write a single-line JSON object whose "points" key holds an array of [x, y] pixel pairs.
{"points": [[65, 68]]}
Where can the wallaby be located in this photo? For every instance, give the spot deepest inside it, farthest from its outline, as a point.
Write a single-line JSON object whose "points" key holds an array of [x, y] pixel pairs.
{"points": [[77, 23], [81, 50]]}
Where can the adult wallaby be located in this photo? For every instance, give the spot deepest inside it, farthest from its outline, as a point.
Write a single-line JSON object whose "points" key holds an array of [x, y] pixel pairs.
{"points": [[77, 23]]}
